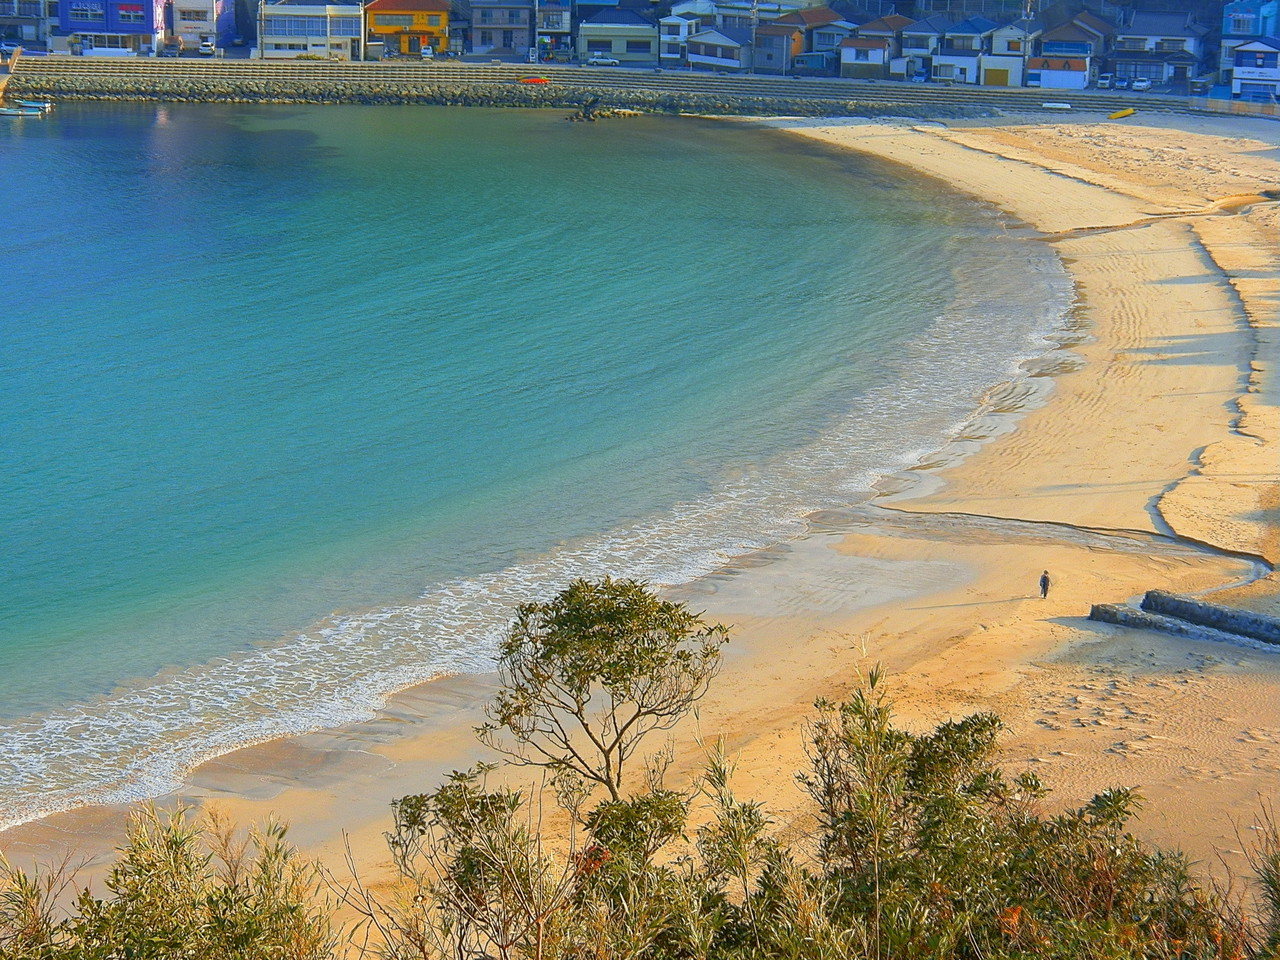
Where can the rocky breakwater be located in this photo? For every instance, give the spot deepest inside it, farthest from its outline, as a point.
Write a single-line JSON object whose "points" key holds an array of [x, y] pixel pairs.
{"points": [[94, 85]]}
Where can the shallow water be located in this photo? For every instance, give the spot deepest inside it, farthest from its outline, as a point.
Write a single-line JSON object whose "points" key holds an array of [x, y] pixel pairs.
{"points": [[297, 403]]}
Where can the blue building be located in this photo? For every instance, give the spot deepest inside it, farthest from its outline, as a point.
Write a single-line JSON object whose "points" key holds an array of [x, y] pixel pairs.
{"points": [[1242, 21], [119, 28]]}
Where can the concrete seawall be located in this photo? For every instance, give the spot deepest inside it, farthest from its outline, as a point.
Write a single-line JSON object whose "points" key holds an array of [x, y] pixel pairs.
{"points": [[471, 95], [458, 84]]}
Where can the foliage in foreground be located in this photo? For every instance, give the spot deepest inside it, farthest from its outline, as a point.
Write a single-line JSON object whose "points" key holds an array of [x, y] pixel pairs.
{"points": [[180, 888], [924, 848]]}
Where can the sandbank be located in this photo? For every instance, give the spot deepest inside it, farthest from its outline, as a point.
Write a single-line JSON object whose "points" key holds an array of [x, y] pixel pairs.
{"points": [[1151, 465]]}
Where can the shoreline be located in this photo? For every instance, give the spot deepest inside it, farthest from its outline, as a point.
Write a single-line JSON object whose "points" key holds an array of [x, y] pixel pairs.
{"points": [[861, 587]]}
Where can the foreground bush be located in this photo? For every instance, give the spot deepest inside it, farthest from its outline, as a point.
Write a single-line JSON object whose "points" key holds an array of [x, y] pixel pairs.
{"points": [[924, 847], [179, 888]]}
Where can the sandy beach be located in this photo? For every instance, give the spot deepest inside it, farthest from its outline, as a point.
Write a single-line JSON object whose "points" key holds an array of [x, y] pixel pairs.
{"points": [[1152, 464]]}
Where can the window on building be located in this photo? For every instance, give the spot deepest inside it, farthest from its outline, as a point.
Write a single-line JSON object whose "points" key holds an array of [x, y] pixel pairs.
{"points": [[486, 38], [486, 16], [1131, 43], [1242, 23], [862, 56], [599, 46], [639, 46], [193, 16], [671, 50], [515, 16], [393, 20], [1013, 46], [289, 26], [508, 39], [1258, 59], [130, 13], [105, 41], [344, 27], [1170, 46], [87, 11]]}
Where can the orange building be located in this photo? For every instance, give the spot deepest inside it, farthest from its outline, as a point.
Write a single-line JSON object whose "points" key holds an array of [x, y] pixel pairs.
{"points": [[407, 26]]}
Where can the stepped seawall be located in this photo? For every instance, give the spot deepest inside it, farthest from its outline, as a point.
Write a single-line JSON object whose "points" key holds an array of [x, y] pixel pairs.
{"points": [[498, 85]]}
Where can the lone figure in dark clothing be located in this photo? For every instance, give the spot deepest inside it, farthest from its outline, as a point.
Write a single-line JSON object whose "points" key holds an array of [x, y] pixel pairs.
{"points": [[1044, 584]]}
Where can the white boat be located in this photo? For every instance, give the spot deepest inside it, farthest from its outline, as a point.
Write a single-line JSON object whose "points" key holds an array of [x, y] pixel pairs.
{"points": [[21, 112], [44, 106]]}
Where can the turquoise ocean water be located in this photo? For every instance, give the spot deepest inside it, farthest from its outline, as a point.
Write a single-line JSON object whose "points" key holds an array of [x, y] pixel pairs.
{"points": [[297, 403]]}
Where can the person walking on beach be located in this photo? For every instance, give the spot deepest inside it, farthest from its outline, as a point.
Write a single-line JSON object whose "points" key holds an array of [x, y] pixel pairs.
{"points": [[1044, 584]]}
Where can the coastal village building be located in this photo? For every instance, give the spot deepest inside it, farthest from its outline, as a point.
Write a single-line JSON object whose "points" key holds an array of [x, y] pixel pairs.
{"points": [[959, 58], [553, 27], [108, 28], [27, 20], [674, 32], [289, 30], [1085, 37], [625, 35], [866, 58], [409, 26], [1060, 73], [1011, 46], [1162, 47], [195, 21], [920, 42], [776, 47], [721, 48], [1255, 71], [822, 31], [501, 27], [1242, 21]]}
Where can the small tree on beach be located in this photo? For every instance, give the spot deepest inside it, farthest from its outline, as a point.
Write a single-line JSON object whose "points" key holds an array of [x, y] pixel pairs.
{"points": [[585, 676]]}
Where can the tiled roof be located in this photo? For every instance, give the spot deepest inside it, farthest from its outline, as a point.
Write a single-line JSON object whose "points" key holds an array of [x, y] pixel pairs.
{"points": [[974, 26], [865, 43], [812, 17], [890, 24], [629, 18]]}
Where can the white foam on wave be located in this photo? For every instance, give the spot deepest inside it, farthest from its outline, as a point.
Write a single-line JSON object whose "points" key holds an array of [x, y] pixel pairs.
{"points": [[139, 742]]}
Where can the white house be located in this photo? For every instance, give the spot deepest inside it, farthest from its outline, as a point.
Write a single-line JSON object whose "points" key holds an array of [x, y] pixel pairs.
{"points": [[1255, 70], [288, 30], [959, 58], [1063, 73], [866, 58], [721, 48], [1006, 63], [1162, 47], [674, 32]]}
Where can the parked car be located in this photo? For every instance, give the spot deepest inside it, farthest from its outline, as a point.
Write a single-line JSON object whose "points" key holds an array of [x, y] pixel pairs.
{"points": [[170, 50], [207, 48], [1120, 83], [1104, 81], [1140, 83], [919, 77], [602, 60], [427, 53]]}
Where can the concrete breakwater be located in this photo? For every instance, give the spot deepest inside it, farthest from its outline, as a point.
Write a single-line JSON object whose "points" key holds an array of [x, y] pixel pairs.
{"points": [[1188, 617], [484, 94]]}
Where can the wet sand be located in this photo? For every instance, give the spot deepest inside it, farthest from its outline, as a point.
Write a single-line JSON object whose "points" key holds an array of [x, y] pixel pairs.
{"points": [[1151, 465]]}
